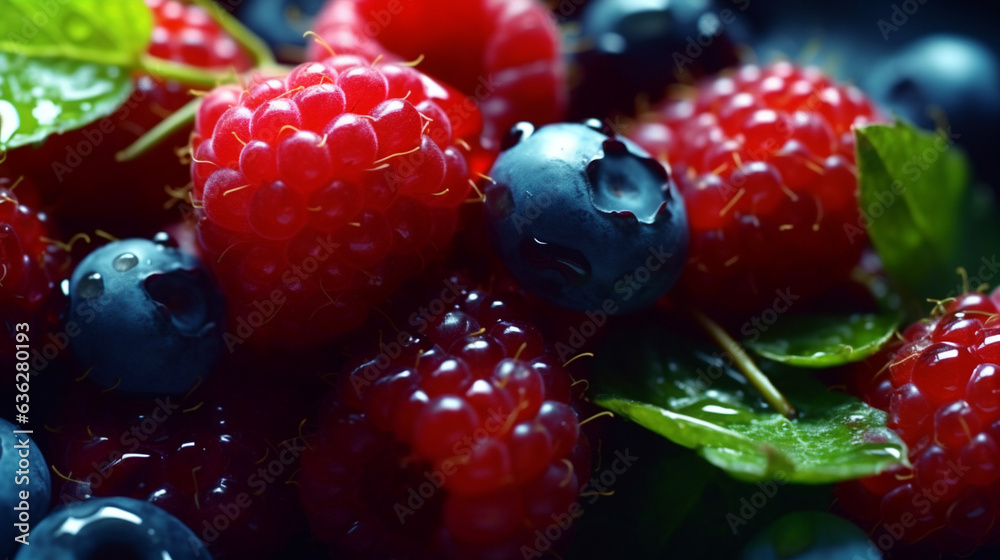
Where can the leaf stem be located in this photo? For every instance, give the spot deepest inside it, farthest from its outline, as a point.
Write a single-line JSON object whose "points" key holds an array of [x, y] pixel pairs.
{"points": [[180, 118], [247, 39], [745, 364], [184, 73]]}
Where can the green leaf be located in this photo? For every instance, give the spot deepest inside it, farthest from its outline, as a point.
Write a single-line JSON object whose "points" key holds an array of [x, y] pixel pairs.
{"points": [[684, 390], [64, 64], [822, 341], [915, 199]]}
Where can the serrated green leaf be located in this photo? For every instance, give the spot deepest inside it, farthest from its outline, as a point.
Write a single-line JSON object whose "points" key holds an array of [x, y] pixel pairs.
{"points": [[822, 341], [64, 64], [915, 197], [684, 390]]}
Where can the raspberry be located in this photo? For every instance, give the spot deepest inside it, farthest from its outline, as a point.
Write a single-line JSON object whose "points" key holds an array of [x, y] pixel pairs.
{"points": [[456, 442], [31, 267], [942, 392], [764, 158], [127, 197], [185, 33], [319, 193], [504, 54]]}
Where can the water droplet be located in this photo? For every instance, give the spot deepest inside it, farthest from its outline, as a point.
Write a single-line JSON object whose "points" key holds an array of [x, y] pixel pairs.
{"points": [[517, 133], [570, 262], [165, 239], [9, 120], [125, 261], [91, 286]]}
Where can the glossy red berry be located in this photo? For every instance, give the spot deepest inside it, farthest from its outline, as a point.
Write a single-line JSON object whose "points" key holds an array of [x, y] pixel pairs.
{"points": [[448, 442], [504, 55], [321, 192], [943, 396], [764, 158]]}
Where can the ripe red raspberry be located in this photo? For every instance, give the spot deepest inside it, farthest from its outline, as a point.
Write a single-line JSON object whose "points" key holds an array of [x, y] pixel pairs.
{"points": [[764, 158], [455, 440], [319, 193], [504, 54], [185, 33], [942, 392], [31, 268], [80, 179]]}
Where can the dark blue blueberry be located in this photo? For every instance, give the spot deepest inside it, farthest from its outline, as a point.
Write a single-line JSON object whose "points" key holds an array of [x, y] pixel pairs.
{"points": [[150, 317], [117, 527], [586, 219], [25, 488], [629, 48], [810, 535], [280, 23], [958, 76]]}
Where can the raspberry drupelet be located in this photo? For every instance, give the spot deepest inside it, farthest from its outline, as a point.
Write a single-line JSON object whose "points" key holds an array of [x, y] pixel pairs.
{"points": [[319, 193], [764, 158], [941, 389], [455, 441]]}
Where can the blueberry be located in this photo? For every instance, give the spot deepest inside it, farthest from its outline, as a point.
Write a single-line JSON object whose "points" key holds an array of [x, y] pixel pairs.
{"points": [[32, 482], [584, 218], [150, 317], [117, 527], [810, 535], [628, 48], [955, 74]]}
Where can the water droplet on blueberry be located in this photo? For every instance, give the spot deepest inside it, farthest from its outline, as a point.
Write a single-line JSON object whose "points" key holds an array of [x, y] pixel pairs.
{"points": [[124, 262], [517, 133], [165, 239], [159, 324], [92, 286]]}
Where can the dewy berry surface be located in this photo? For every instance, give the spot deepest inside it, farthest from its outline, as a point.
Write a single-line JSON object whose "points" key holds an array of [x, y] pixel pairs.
{"points": [[456, 442], [942, 392], [321, 192], [764, 158]]}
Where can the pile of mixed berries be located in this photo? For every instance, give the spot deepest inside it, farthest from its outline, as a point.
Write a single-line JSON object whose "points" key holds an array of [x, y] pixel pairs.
{"points": [[341, 279]]}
